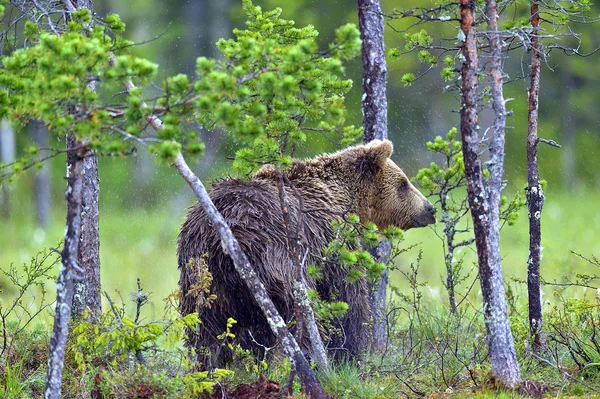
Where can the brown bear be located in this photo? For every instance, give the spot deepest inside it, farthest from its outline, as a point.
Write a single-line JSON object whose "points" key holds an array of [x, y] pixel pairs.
{"points": [[360, 179]]}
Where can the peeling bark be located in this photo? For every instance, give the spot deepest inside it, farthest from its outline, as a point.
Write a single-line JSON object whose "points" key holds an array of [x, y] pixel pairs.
{"points": [[374, 108], [535, 194], [67, 273], [485, 205]]}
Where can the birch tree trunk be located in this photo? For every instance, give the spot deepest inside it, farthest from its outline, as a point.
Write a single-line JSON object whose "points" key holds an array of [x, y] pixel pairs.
{"points": [[535, 195], [231, 247], [484, 208], [67, 273], [374, 108]]}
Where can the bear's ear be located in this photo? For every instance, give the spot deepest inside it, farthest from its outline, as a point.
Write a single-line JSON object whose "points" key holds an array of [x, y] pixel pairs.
{"points": [[380, 150]]}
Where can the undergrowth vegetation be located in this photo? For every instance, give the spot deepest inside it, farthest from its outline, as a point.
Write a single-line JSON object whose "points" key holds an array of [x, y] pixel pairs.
{"points": [[430, 352]]}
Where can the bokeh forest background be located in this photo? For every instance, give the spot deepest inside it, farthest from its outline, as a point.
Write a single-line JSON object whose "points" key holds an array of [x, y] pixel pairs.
{"points": [[142, 205]]}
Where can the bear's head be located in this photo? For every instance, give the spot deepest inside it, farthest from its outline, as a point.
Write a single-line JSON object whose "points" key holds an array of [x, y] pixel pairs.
{"points": [[388, 197]]}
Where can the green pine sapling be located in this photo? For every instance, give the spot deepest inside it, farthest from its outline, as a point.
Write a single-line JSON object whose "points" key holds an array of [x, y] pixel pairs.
{"points": [[446, 183], [349, 250]]}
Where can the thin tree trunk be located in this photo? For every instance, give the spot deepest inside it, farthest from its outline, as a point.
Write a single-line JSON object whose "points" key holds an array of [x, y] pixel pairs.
{"points": [[67, 273], [305, 317], [450, 283], [8, 153], [311, 385], [42, 179], [87, 290], [483, 209], [231, 247], [535, 195], [374, 100], [374, 108]]}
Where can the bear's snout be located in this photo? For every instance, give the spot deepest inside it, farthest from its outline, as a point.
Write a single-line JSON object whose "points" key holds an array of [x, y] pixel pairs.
{"points": [[426, 217]]}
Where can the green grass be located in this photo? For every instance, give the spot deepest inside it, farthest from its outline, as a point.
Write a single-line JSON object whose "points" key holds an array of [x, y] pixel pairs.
{"points": [[570, 222], [142, 243], [132, 244]]}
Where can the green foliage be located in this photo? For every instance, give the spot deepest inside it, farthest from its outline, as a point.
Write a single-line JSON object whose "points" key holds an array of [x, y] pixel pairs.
{"points": [[420, 39], [445, 182], [350, 251], [273, 87], [408, 79], [447, 350], [52, 80], [509, 210], [441, 180], [349, 381], [347, 248], [115, 340]]}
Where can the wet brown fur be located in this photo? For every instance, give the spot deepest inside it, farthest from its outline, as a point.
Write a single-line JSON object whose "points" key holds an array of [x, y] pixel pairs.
{"points": [[359, 179]]}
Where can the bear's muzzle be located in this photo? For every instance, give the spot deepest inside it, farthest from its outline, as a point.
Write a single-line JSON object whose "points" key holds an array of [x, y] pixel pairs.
{"points": [[426, 217]]}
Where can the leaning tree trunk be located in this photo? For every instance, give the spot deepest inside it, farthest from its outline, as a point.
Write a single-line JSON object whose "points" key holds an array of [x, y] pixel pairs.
{"points": [[535, 195], [374, 107], [483, 208], [311, 385], [68, 272]]}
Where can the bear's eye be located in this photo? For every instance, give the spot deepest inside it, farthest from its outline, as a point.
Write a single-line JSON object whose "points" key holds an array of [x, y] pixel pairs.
{"points": [[403, 186]]}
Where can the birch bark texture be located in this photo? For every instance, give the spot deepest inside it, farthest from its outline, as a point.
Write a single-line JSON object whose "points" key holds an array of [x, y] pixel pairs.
{"points": [[484, 204], [374, 109], [534, 192], [68, 271]]}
